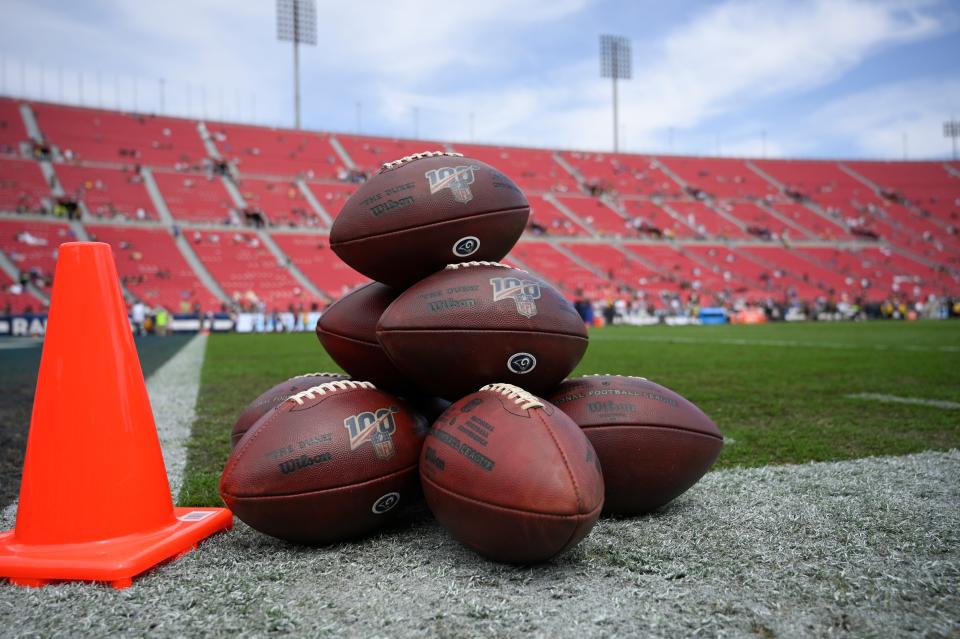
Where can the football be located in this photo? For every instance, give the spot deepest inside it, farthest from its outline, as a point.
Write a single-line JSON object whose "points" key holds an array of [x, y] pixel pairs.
{"points": [[331, 463], [348, 331], [477, 323], [427, 405], [267, 400], [511, 476], [425, 211], [652, 443]]}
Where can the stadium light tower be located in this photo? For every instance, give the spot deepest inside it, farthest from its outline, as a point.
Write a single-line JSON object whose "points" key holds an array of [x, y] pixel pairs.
{"points": [[951, 129], [615, 62], [297, 23]]}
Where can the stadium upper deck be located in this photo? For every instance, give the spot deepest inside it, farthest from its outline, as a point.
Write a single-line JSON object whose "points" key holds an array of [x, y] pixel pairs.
{"points": [[159, 188]]}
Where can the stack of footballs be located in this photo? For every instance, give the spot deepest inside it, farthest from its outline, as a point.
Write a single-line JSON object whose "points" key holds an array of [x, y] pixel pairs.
{"points": [[520, 465]]}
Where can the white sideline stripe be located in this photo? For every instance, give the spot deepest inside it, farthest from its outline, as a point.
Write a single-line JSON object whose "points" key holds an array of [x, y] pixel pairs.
{"points": [[775, 342], [173, 390], [918, 401], [11, 343]]}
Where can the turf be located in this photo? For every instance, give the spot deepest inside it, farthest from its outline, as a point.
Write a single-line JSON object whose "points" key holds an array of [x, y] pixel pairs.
{"points": [[864, 548], [778, 392]]}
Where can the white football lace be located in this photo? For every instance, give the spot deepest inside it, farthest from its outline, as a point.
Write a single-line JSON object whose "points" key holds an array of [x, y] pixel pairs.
{"points": [[319, 375], [453, 267], [517, 394], [387, 166], [328, 387], [614, 375]]}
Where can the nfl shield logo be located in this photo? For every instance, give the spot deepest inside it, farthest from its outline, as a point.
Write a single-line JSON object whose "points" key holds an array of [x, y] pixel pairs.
{"points": [[524, 293]]}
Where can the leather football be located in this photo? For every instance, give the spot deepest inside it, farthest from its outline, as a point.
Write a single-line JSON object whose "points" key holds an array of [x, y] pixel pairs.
{"points": [[348, 331], [427, 210], [331, 463], [271, 397], [652, 443], [479, 323], [511, 476]]}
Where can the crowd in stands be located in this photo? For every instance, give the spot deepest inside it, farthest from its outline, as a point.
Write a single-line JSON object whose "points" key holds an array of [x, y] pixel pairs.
{"points": [[638, 309], [726, 232]]}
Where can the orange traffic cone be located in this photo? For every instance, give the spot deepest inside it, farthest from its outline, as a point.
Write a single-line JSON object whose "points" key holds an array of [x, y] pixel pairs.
{"points": [[94, 499]]}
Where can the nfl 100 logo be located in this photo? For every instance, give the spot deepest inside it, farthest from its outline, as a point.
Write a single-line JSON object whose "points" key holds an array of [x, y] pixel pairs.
{"points": [[456, 178], [377, 427], [524, 293]]}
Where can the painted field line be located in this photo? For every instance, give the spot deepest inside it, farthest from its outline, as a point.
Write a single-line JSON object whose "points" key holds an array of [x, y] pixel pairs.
{"points": [[774, 342], [917, 401], [173, 390], [14, 343]]}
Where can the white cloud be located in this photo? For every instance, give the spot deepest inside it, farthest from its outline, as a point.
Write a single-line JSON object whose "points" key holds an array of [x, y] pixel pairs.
{"points": [[749, 49], [733, 58], [214, 47], [875, 121], [406, 42], [726, 67], [742, 53]]}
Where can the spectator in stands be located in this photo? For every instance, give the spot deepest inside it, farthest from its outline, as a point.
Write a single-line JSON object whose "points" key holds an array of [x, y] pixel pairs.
{"points": [[41, 151]]}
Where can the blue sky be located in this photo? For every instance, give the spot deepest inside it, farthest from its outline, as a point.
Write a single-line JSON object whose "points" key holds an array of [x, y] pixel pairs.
{"points": [[830, 78]]}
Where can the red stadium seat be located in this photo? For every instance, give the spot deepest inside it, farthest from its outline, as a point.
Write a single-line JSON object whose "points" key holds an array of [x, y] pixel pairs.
{"points": [[94, 135], [107, 192], [246, 270], [283, 153], [22, 186], [12, 131], [370, 153], [194, 197], [623, 174], [151, 267], [281, 202], [533, 170], [313, 256], [32, 246], [720, 177], [571, 278], [731, 228]]}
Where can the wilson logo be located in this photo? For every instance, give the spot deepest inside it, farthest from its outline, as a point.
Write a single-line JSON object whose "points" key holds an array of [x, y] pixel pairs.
{"points": [[377, 427], [610, 407], [303, 461], [458, 179], [524, 293]]}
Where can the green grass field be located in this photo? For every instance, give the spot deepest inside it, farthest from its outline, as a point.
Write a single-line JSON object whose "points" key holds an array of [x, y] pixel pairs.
{"points": [[779, 392]]}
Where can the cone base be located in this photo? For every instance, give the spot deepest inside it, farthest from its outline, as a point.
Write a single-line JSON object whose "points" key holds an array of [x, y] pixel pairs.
{"points": [[116, 560]]}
